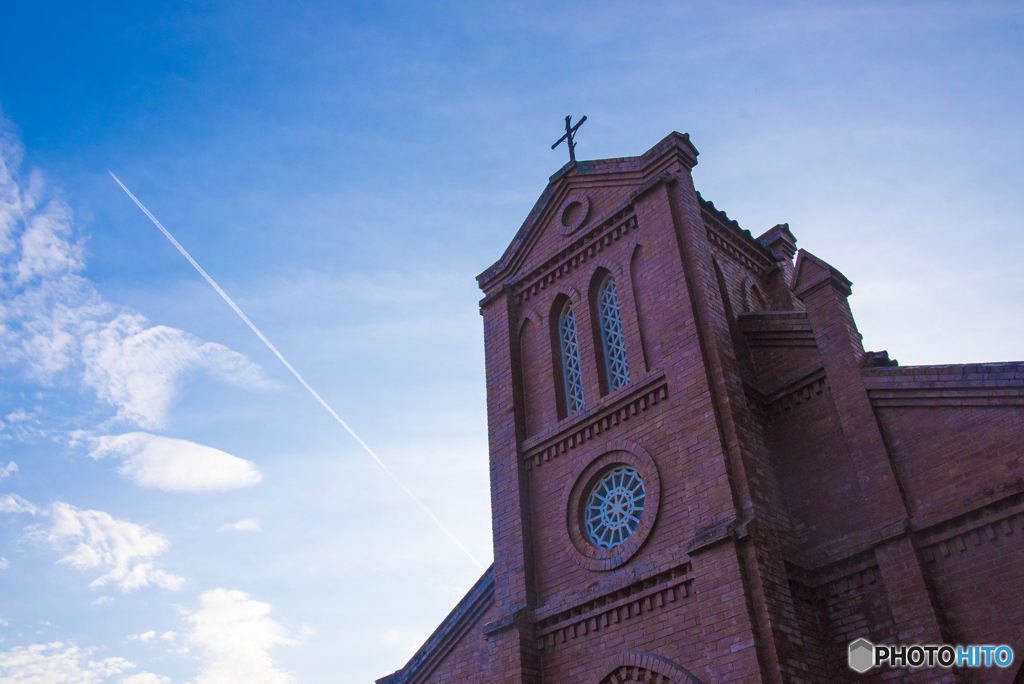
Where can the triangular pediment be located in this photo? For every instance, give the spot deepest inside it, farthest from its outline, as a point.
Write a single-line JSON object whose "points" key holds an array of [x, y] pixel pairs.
{"points": [[582, 195]]}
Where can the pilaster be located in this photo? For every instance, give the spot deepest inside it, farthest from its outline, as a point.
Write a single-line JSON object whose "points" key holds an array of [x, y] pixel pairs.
{"points": [[918, 617], [510, 498], [758, 556]]}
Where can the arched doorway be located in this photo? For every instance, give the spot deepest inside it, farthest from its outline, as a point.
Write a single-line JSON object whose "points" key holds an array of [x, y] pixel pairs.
{"points": [[645, 668]]}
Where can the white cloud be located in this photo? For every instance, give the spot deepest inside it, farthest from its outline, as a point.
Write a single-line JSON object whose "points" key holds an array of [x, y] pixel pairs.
{"points": [[45, 249], [176, 643], [176, 465], [67, 664], [235, 634], [144, 678], [102, 601], [246, 525], [53, 321], [145, 637], [42, 323], [11, 467], [23, 425], [12, 503], [103, 541], [4, 564], [17, 199], [136, 368], [45, 302]]}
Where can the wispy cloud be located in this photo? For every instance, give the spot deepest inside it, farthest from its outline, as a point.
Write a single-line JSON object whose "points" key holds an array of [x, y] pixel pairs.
{"points": [[17, 199], [43, 322], [56, 327], [4, 564], [46, 304], [45, 248], [61, 662], [22, 425], [11, 467], [145, 637], [144, 678], [246, 525], [136, 368], [12, 503], [176, 465], [235, 634], [102, 541]]}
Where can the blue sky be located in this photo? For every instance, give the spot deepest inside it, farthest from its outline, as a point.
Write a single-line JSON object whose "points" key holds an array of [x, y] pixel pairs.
{"points": [[181, 509]]}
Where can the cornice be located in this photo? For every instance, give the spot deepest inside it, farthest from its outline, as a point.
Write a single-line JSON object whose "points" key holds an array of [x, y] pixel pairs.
{"points": [[638, 396], [802, 391], [627, 603], [612, 229], [978, 384], [738, 243], [777, 329]]}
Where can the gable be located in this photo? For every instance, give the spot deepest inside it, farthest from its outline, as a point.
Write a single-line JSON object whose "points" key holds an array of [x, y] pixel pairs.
{"points": [[601, 188], [811, 272]]}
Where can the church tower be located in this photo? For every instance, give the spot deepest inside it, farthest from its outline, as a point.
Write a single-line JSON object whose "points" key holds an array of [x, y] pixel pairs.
{"points": [[697, 473], [624, 482]]}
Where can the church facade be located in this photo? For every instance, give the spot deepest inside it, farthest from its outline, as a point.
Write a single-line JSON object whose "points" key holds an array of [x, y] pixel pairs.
{"points": [[699, 475]]}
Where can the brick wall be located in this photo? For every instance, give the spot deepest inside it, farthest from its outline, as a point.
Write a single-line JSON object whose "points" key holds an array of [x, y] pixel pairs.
{"points": [[796, 500]]}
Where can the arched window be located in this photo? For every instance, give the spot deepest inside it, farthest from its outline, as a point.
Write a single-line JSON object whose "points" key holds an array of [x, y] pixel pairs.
{"points": [[571, 375], [615, 364]]}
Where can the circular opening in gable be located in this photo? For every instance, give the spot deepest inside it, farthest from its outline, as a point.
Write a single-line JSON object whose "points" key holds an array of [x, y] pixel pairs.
{"points": [[571, 213], [574, 212]]}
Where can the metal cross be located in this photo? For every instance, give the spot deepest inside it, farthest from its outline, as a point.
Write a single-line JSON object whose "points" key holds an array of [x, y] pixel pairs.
{"points": [[569, 133]]}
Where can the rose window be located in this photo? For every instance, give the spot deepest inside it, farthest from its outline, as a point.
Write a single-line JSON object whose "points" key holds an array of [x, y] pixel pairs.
{"points": [[613, 507]]}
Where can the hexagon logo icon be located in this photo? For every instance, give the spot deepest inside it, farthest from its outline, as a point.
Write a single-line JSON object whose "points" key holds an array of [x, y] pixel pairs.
{"points": [[861, 655]]}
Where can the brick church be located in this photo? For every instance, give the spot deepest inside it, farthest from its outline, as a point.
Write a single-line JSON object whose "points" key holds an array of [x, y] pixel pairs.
{"points": [[698, 474]]}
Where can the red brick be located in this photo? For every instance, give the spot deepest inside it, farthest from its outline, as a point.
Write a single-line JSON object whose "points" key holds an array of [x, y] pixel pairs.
{"points": [[806, 500]]}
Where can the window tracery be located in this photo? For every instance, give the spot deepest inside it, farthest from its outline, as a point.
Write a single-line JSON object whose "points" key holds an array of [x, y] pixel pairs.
{"points": [[614, 507], [571, 373], [616, 365]]}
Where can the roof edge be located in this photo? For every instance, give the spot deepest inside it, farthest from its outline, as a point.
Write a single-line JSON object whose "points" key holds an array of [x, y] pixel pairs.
{"points": [[472, 605], [733, 226], [1005, 370]]}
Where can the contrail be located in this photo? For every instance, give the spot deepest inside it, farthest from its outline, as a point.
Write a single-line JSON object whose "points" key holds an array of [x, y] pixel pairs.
{"points": [[294, 372]]}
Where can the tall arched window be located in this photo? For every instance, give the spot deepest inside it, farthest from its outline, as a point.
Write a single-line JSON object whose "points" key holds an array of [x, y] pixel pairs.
{"points": [[571, 375], [615, 364]]}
